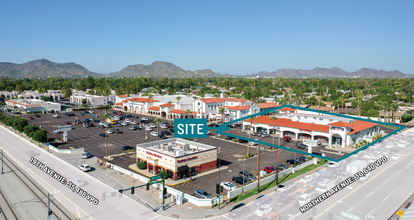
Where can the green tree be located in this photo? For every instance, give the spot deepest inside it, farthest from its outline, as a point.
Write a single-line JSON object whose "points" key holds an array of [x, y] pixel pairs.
{"points": [[142, 165], [406, 118], [67, 92], [157, 121], [40, 136], [20, 123], [188, 111], [30, 129], [46, 98]]}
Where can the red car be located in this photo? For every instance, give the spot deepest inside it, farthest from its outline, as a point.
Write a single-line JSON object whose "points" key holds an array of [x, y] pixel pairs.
{"points": [[305, 188], [269, 169], [170, 126], [30, 118], [119, 113], [67, 123], [287, 138]]}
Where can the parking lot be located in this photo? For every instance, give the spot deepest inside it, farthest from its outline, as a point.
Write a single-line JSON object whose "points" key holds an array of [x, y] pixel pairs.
{"points": [[89, 139]]}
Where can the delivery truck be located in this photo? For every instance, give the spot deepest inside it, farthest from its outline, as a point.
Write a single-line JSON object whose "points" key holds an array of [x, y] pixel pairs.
{"points": [[356, 166]]}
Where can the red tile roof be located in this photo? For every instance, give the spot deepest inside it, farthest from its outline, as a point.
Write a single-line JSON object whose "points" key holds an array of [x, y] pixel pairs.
{"points": [[215, 100], [239, 107], [235, 100], [125, 100], [154, 108], [177, 111], [142, 100], [119, 103], [341, 124], [287, 109], [122, 96], [167, 105], [267, 105], [194, 113], [285, 122], [358, 126]]}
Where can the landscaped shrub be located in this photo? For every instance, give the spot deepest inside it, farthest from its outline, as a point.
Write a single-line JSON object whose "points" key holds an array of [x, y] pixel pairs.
{"points": [[142, 165]]}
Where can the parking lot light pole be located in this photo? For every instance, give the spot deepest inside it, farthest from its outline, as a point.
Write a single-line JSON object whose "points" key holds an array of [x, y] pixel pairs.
{"points": [[219, 186]]}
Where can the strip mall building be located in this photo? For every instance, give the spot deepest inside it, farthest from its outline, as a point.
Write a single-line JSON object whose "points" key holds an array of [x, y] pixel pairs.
{"points": [[179, 157], [332, 130]]}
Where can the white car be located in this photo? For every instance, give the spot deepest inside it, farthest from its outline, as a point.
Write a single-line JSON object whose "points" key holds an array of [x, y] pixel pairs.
{"points": [[304, 199], [401, 145], [148, 128], [389, 145], [84, 167], [319, 172], [228, 186], [254, 143], [57, 131], [91, 112], [368, 156], [102, 123], [378, 151], [332, 165], [152, 125], [133, 123], [384, 155], [306, 179], [78, 182], [396, 156], [127, 120], [163, 126], [144, 118], [56, 116], [154, 133], [109, 131], [124, 123], [263, 210]]}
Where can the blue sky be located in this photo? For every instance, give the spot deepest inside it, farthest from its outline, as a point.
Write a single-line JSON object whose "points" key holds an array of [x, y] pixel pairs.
{"points": [[235, 37]]}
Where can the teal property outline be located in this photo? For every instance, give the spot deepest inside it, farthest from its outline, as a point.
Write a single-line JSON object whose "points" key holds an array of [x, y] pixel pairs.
{"points": [[222, 128]]}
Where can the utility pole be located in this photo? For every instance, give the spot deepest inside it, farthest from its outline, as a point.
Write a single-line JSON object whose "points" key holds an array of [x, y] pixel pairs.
{"points": [[219, 180], [258, 169], [277, 163], [2, 161], [48, 207]]}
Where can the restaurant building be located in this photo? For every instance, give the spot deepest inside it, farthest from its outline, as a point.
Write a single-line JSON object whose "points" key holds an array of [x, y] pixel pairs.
{"points": [[180, 158]]}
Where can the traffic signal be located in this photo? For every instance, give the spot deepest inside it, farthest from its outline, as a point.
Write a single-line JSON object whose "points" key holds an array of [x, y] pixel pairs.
{"points": [[132, 190], [330, 216], [217, 188], [147, 186], [50, 213], [120, 193], [165, 191], [314, 211]]}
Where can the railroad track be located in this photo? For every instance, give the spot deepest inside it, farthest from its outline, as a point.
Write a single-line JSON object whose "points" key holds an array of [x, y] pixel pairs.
{"points": [[39, 192]]}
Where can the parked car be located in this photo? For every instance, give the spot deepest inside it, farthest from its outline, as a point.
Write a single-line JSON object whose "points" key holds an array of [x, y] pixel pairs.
{"points": [[118, 124], [368, 156], [70, 114], [269, 169], [109, 131], [302, 159], [56, 116], [102, 134], [247, 175], [293, 161], [117, 131], [57, 131], [154, 133], [239, 179], [164, 126], [171, 129], [37, 116], [148, 128], [161, 136], [67, 123], [80, 113], [84, 167], [264, 135], [284, 200], [229, 138], [124, 123], [165, 132], [280, 167], [243, 141], [202, 194], [254, 133], [126, 147], [170, 126], [396, 156], [91, 124], [86, 155], [228, 186], [302, 146], [263, 199], [254, 143], [132, 128], [133, 122], [30, 118]]}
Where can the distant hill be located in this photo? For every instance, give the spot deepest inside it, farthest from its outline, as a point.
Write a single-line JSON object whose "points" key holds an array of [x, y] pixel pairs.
{"points": [[161, 69], [42, 68], [331, 73]]}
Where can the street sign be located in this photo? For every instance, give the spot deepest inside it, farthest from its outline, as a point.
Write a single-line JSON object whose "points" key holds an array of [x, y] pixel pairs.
{"points": [[349, 215], [400, 213], [155, 177]]}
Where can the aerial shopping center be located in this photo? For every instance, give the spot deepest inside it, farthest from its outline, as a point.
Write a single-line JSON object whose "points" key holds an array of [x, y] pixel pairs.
{"points": [[299, 124]]}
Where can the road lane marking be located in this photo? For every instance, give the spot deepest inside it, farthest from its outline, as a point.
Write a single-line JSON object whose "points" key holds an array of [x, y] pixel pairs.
{"points": [[154, 217], [368, 195], [350, 209], [295, 216], [386, 181], [410, 162], [386, 198], [399, 171], [369, 213], [342, 199]]}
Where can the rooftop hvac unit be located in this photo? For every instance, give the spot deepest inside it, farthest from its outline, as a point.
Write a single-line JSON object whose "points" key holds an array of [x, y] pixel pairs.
{"points": [[186, 147], [169, 148], [170, 143], [179, 153]]}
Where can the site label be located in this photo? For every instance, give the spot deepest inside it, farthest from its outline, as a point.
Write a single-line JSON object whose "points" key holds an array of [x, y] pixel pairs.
{"points": [[190, 128]]}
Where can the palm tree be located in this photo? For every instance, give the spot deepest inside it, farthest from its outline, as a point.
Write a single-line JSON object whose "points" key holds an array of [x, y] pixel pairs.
{"points": [[195, 98], [169, 102], [358, 105], [394, 108], [188, 111], [222, 110], [386, 113], [178, 99], [157, 120], [251, 128], [379, 103], [273, 118], [342, 99]]}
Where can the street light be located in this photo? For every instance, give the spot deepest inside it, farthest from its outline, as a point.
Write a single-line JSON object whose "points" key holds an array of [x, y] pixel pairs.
{"points": [[339, 201]]}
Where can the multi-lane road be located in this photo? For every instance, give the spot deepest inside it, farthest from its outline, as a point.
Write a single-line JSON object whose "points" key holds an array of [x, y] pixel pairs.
{"points": [[376, 198]]}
